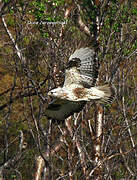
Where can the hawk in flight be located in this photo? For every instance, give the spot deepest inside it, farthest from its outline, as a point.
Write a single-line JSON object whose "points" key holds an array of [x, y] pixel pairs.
{"points": [[79, 86]]}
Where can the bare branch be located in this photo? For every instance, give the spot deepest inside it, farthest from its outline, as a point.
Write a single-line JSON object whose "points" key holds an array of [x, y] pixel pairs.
{"points": [[66, 15], [39, 167], [126, 120], [99, 124], [78, 145], [19, 53], [126, 165], [80, 22], [110, 157], [97, 145], [12, 161]]}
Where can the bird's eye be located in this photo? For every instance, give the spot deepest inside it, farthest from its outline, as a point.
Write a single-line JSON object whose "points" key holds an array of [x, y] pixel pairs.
{"points": [[50, 93]]}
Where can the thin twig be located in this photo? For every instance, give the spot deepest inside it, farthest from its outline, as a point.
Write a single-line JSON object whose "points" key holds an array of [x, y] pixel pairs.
{"points": [[110, 157], [12, 161]]}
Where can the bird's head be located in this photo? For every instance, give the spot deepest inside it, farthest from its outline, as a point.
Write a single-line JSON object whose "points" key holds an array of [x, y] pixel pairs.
{"points": [[57, 93]]}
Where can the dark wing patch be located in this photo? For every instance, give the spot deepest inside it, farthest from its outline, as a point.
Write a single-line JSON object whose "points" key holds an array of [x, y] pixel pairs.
{"points": [[87, 63], [75, 62], [61, 109], [54, 107]]}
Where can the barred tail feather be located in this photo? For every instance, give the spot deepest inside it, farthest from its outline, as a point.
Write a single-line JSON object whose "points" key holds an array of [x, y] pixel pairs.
{"points": [[108, 93]]}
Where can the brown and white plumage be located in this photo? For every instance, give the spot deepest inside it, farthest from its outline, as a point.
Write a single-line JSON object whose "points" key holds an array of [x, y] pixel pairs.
{"points": [[84, 63], [79, 86]]}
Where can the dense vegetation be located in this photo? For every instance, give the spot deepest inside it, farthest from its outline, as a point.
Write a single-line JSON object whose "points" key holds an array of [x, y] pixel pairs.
{"points": [[36, 39]]}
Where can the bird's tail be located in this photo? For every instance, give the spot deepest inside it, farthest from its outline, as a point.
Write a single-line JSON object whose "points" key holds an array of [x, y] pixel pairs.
{"points": [[107, 93]]}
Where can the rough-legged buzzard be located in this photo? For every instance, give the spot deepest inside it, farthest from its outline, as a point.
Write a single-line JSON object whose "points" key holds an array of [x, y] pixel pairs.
{"points": [[79, 86]]}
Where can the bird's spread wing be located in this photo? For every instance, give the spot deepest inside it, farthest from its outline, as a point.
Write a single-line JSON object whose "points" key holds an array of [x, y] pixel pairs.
{"points": [[82, 68], [61, 109]]}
